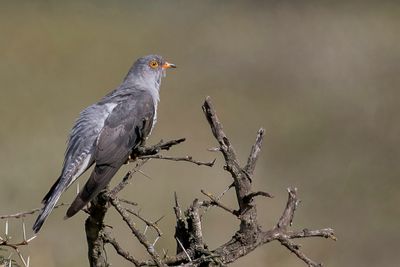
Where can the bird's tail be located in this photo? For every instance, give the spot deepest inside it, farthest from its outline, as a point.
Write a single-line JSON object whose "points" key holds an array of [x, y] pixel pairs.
{"points": [[49, 201], [98, 180]]}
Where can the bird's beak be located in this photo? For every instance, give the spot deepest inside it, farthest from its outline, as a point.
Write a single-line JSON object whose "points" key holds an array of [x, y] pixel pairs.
{"points": [[168, 65]]}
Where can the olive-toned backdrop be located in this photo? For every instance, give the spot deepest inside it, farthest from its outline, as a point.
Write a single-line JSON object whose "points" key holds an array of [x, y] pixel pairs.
{"points": [[321, 76]]}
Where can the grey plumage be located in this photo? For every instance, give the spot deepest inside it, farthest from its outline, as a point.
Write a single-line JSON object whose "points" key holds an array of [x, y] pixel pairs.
{"points": [[106, 133]]}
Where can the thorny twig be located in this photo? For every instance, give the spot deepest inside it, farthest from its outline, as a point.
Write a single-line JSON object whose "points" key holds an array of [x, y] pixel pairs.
{"points": [[214, 201], [25, 213], [147, 153], [6, 242], [186, 158], [141, 237], [217, 198], [152, 150], [147, 222], [127, 178], [123, 253]]}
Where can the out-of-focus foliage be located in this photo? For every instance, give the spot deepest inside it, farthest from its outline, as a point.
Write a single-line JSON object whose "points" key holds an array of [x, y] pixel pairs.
{"points": [[321, 76]]}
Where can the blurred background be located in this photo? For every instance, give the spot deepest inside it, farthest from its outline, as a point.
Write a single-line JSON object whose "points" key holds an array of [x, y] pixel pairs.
{"points": [[321, 76]]}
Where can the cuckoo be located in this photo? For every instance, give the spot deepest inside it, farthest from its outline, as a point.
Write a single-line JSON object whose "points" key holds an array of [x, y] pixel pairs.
{"points": [[106, 133]]}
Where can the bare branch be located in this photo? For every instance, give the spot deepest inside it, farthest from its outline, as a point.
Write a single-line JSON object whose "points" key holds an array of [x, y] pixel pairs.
{"points": [[25, 213], [94, 226], [287, 216], [239, 175], [152, 150], [296, 250], [218, 198], [125, 254], [195, 225], [252, 195], [186, 158], [142, 239], [327, 233], [216, 202], [183, 248], [255, 152], [181, 230], [128, 202], [177, 207], [147, 222], [127, 178], [146, 153], [6, 242]]}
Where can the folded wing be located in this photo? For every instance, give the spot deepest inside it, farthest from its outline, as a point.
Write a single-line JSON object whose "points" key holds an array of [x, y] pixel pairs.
{"points": [[128, 124]]}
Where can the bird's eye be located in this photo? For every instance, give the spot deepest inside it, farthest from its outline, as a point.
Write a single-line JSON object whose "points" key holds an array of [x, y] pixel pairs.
{"points": [[153, 64]]}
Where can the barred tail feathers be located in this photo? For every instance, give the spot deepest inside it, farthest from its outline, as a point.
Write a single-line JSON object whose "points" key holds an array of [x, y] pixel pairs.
{"points": [[49, 201]]}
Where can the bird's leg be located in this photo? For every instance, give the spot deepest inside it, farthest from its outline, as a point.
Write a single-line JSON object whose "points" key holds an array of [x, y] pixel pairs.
{"points": [[142, 141]]}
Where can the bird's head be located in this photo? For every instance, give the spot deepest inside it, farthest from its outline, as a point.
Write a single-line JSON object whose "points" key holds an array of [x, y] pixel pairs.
{"points": [[149, 70]]}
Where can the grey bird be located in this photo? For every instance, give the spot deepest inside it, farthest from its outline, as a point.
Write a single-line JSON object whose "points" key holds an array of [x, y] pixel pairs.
{"points": [[106, 133]]}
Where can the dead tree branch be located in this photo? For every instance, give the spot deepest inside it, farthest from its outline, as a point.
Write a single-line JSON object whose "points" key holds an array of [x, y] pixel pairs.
{"points": [[107, 238], [191, 249], [250, 234], [140, 236], [23, 214], [126, 179], [186, 158], [152, 150], [215, 202], [94, 227], [6, 240]]}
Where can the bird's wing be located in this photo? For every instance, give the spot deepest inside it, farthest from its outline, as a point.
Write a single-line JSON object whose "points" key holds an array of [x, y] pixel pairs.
{"points": [[126, 127], [79, 155]]}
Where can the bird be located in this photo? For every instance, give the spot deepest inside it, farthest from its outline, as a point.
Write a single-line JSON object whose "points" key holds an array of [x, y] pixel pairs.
{"points": [[106, 133]]}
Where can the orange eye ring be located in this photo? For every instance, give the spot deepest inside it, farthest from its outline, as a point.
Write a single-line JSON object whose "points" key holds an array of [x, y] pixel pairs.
{"points": [[153, 64]]}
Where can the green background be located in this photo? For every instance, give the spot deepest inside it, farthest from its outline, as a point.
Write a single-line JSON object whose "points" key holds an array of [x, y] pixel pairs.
{"points": [[321, 77]]}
